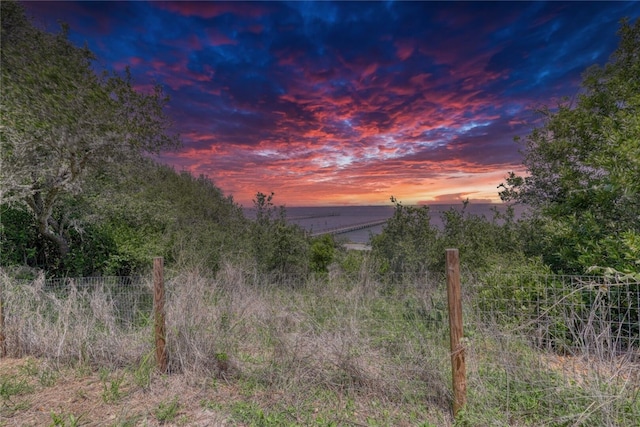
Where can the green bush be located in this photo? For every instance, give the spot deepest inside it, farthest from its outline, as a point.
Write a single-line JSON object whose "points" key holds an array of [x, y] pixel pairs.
{"points": [[20, 243], [322, 253], [407, 242], [526, 295], [278, 247]]}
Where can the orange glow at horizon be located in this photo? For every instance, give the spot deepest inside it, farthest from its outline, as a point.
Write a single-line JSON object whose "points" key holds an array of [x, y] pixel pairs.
{"points": [[298, 182]]}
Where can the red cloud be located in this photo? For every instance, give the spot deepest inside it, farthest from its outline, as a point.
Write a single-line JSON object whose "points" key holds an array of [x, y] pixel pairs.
{"points": [[213, 9], [404, 49], [217, 38]]}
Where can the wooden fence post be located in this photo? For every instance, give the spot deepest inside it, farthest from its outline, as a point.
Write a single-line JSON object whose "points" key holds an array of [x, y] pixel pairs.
{"points": [[454, 297], [158, 310], [3, 343]]}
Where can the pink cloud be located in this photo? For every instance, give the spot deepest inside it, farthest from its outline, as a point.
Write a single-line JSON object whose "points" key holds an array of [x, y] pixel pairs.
{"points": [[370, 69], [404, 49], [217, 38], [213, 9]]}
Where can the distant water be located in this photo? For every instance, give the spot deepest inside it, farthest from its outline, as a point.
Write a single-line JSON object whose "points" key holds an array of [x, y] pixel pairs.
{"points": [[319, 219]]}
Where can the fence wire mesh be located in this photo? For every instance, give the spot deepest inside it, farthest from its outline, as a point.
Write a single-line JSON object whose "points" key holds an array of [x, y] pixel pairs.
{"points": [[567, 314], [99, 320], [555, 350], [541, 350], [127, 301]]}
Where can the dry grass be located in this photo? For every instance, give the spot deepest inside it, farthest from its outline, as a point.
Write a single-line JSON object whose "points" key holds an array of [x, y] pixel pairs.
{"points": [[303, 356], [79, 395], [242, 351]]}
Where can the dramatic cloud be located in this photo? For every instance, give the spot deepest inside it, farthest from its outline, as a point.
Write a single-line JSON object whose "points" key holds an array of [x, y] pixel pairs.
{"points": [[349, 102]]}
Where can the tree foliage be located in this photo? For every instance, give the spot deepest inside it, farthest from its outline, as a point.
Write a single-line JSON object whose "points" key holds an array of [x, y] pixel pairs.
{"points": [[152, 210], [323, 249], [583, 168], [407, 241], [61, 122], [277, 245]]}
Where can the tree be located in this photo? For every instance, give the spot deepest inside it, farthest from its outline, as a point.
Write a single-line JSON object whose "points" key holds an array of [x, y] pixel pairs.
{"points": [[583, 168], [322, 250], [409, 243], [406, 244], [61, 122], [278, 246]]}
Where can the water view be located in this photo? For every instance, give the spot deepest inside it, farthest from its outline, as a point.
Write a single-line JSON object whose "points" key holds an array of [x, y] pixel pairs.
{"points": [[356, 224]]}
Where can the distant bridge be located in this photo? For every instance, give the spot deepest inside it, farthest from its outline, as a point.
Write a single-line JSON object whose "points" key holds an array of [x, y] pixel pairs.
{"points": [[348, 228], [322, 215]]}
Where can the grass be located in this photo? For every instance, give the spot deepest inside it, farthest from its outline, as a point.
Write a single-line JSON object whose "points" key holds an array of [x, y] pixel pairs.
{"points": [[112, 386], [167, 411], [332, 351], [11, 386], [64, 420]]}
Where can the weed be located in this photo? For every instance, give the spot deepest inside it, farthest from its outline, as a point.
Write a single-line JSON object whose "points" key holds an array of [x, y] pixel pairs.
{"points": [[30, 368], [222, 361], [144, 370], [129, 422], [167, 411], [62, 420], [209, 404], [253, 415], [12, 386], [47, 377], [82, 370], [126, 420], [111, 387]]}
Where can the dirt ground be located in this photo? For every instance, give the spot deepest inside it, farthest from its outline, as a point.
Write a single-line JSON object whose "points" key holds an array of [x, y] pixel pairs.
{"points": [[31, 394], [582, 371]]}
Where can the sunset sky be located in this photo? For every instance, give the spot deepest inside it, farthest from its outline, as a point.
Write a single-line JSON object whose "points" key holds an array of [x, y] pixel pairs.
{"points": [[342, 103]]}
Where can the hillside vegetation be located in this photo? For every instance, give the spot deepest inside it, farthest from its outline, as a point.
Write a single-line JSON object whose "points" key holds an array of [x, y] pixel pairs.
{"points": [[270, 326], [81, 195]]}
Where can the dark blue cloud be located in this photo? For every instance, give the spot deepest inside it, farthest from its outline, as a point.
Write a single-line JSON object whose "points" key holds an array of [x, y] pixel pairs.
{"points": [[382, 95]]}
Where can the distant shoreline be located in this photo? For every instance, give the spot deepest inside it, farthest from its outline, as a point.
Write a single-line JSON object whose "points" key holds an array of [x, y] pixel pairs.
{"points": [[325, 219], [390, 205], [356, 246]]}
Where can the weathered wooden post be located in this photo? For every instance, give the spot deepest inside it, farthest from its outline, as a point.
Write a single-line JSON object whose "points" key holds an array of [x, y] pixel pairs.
{"points": [[455, 330], [158, 310], [3, 344]]}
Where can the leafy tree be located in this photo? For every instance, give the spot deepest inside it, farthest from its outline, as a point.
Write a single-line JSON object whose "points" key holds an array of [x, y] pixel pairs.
{"points": [[201, 227], [482, 242], [22, 246], [152, 210], [322, 253], [18, 237], [410, 244], [62, 122], [277, 246], [406, 243], [583, 168]]}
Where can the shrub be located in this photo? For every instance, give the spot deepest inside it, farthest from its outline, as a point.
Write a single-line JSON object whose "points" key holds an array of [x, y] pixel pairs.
{"points": [[322, 253]]}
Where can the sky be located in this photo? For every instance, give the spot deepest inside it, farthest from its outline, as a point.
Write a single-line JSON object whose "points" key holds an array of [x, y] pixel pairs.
{"points": [[349, 103]]}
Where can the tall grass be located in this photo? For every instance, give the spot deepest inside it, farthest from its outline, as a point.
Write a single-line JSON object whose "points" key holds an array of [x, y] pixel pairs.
{"points": [[553, 350], [77, 321], [356, 347]]}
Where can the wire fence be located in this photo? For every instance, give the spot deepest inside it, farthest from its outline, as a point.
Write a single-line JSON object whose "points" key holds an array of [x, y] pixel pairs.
{"points": [[128, 301], [578, 315], [541, 350], [556, 350], [92, 319]]}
